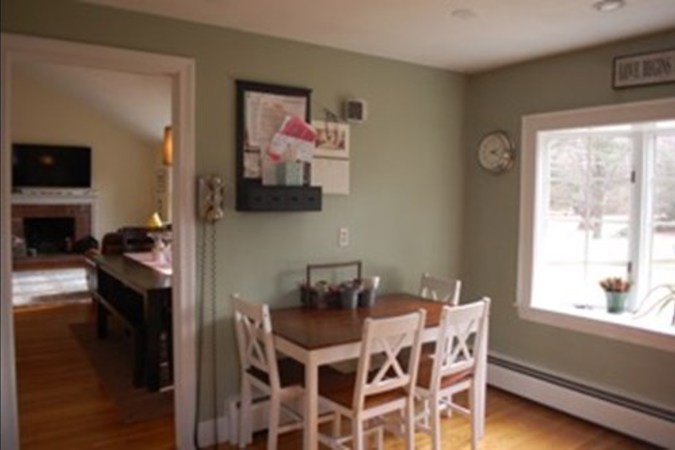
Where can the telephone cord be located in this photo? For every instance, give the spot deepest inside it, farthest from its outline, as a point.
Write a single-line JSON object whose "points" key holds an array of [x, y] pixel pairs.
{"points": [[214, 336], [201, 323]]}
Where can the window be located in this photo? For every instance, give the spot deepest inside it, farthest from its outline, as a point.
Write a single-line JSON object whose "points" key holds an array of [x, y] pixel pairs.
{"points": [[598, 201]]}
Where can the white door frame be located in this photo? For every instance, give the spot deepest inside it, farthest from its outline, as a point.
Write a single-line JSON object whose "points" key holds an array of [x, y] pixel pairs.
{"points": [[181, 71]]}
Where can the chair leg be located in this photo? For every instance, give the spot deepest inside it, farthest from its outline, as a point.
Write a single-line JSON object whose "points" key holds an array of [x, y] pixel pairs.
{"points": [[380, 438], [475, 414], [410, 424], [273, 423], [245, 413], [336, 424], [448, 410], [426, 412], [435, 419], [357, 434]]}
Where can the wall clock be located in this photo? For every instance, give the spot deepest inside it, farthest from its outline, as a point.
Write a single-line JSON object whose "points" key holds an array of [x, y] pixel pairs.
{"points": [[496, 152]]}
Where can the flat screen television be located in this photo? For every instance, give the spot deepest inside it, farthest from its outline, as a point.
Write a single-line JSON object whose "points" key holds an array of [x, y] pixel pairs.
{"points": [[50, 166]]}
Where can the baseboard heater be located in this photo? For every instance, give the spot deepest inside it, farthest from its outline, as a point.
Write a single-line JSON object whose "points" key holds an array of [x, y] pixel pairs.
{"points": [[640, 420]]}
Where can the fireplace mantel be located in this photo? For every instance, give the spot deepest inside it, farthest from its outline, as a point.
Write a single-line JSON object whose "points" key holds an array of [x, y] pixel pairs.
{"points": [[55, 197]]}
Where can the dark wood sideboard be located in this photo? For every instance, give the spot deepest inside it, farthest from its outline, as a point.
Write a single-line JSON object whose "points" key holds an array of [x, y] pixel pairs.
{"points": [[140, 298]]}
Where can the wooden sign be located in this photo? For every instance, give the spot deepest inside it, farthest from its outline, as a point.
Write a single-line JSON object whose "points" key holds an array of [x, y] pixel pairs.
{"points": [[644, 69]]}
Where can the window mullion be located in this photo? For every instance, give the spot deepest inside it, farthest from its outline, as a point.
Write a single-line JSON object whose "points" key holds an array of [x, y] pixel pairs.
{"points": [[542, 180], [641, 216], [588, 181]]}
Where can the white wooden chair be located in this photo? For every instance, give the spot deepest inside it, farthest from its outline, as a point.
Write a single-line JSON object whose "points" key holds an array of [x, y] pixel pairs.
{"points": [[279, 381], [457, 365], [375, 392], [441, 289]]}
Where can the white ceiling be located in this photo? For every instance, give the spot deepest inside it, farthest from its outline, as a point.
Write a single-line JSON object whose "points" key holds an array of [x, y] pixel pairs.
{"points": [[460, 35]]}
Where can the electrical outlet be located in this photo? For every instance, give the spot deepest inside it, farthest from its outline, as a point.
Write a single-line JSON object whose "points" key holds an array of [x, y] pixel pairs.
{"points": [[343, 237]]}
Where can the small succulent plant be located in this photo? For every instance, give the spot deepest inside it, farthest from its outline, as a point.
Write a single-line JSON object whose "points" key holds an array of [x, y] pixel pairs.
{"points": [[615, 284]]}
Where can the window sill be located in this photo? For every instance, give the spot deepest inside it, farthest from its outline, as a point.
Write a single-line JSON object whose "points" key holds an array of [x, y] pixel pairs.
{"points": [[622, 327]]}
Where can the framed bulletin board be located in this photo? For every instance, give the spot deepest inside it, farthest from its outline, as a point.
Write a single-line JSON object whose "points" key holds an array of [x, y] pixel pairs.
{"points": [[260, 111]]}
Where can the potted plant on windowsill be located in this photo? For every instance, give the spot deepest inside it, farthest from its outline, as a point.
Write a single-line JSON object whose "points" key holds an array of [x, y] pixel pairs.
{"points": [[616, 290]]}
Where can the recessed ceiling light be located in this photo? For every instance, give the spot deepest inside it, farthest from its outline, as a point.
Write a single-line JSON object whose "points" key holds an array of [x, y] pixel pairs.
{"points": [[609, 5], [463, 13]]}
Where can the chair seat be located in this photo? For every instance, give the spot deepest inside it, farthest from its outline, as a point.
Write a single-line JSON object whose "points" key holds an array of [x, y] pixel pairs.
{"points": [[291, 373], [339, 388], [425, 371]]}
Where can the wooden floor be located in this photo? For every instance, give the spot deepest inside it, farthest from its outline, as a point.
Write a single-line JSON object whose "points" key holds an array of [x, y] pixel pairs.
{"points": [[62, 405]]}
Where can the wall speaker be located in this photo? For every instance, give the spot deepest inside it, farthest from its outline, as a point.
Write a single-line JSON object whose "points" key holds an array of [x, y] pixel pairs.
{"points": [[355, 111]]}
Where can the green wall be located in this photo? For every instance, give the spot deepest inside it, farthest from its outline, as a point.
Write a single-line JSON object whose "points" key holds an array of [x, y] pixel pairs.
{"points": [[405, 210], [498, 100]]}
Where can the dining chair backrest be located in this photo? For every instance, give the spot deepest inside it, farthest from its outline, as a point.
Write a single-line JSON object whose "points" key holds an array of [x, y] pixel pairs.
{"points": [[380, 369], [254, 339], [440, 288], [461, 344]]}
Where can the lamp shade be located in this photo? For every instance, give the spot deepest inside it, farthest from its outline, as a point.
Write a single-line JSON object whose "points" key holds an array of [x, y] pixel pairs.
{"points": [[167, 147]]}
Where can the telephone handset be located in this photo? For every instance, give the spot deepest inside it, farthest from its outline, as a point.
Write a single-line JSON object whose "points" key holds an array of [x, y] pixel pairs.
{"points": [[211, 198]]}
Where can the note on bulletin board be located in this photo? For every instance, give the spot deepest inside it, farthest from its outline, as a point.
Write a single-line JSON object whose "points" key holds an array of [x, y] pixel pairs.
{"points": [[330, 167], [331, 174]]}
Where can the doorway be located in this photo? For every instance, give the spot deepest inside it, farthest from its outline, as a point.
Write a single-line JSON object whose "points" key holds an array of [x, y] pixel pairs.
{"points": [[17, 48]]}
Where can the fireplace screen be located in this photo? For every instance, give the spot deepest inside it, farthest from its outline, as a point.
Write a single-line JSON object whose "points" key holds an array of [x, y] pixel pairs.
{"points": [[49, 235]]}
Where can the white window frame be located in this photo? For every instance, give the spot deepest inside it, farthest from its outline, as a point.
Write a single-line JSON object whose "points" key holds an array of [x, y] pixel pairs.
{"points": [[610, 326]]}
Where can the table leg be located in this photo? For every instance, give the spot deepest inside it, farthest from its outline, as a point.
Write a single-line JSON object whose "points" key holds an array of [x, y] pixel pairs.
{"points": [[101, 320], [152, 341], [311, 431], [139, 359]]}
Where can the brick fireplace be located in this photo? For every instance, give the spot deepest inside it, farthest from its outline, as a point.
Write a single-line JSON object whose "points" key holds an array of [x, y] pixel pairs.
{"points": [[79, 213], [49, 228]]}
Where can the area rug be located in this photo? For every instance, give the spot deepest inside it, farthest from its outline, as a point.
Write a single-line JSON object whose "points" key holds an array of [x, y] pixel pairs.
{"points": [[112, 359], [49, 287]]}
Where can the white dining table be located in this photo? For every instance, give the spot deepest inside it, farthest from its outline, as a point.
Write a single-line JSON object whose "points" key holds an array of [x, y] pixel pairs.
{"points": [[316, 337]]}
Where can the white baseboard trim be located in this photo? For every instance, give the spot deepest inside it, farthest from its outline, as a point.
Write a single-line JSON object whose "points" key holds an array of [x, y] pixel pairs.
{"points": [[649, 428]]}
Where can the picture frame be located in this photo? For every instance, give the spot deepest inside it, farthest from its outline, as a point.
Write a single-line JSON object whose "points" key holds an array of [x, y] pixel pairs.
{"points": [[644, 69], [332, 139], [260, 111]]}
